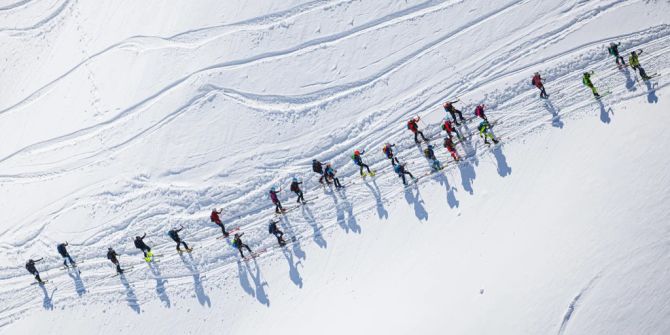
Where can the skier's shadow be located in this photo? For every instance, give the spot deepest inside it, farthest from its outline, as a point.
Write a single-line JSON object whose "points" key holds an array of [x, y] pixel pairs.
{"points": [[203, 299], [316, 229], [503, 168], [451, 197], [293, 268], [345, 215], [78, 283], [160, 284], [630, 83], [261, 296], [47, 301], [381, 211], [416, 200], [555, 117], [131, 298], [244, 280], [296, 245], [468, 174], [604, 112], [652, 98]]}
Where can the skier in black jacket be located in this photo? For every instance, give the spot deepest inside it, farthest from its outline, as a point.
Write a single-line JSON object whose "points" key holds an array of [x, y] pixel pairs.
{"points": [[174, 235], [62, 250], [276, 232], [237, 243], [318, 168], [112, 256], [139, 244], [30, 266]]}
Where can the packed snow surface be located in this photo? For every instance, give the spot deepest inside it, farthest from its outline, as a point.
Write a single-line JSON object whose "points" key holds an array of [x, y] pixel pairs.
{"points": [[120, 118]]}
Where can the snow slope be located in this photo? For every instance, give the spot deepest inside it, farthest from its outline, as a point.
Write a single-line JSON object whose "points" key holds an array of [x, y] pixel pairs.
{"points": [[125, 117]]}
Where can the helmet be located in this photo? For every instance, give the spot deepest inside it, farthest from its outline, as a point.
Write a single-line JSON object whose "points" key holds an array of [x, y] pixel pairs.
{"points": [[213, 209], [356, 152], [272, 189], [110, 249], [537, 73], [295, 179], [313, 160], [137, 237]]}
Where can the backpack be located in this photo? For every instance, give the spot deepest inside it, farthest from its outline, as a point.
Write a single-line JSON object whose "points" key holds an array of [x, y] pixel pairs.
{"points": [[236, 243], [410, 125], [426, 152], [172, 234], [316, 167], [611, 50], [270, 228], [396, 168]]}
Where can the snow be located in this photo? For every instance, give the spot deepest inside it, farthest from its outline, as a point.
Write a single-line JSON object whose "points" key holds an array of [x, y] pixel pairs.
{"points": [[123, 117]]}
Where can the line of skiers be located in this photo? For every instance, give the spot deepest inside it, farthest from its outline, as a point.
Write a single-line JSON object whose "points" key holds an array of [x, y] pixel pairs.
{"points": [[327, 173]]}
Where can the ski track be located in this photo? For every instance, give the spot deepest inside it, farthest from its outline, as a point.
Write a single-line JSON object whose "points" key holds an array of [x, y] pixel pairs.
{"points": [[142, 204]]}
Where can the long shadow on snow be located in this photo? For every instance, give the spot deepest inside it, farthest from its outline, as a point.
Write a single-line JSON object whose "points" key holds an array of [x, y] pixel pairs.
{"points": [[291, 232], [503, 169], [188, 261], [451, 197], [47, 301], [604, 112], [244, 280], [630, 83], [416, 200], [652, 98], [78, 283], [259, 284], [381, 211], [556, 118], [468, 174], [131, 298], [293, 268], [316, 229], [344, 209], [160, 284]]}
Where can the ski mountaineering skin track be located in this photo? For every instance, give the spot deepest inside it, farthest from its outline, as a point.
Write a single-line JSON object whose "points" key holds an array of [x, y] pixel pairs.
{"points": [[115, 127]]}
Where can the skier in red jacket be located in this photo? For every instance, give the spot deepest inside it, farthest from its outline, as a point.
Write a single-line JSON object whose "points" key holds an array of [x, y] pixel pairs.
{"points": [[537, 81]]}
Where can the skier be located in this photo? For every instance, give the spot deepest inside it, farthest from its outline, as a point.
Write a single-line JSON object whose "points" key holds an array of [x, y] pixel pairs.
{"points": [[275, 200], [174, 235], [448, 126], [613, 49], [318, 168], [400, 170], [635, 64], [449, 107], [479, 112], [112, 256], [66, 256], [485, 132], [30, 266], [414, 127], [586, 80], [237, 243], [359, 161], [449, 145], [277, 233], [430, 154], [537, 81], [388, 151], [295, 188], [330, 174], [139, 244], [215, 218]]}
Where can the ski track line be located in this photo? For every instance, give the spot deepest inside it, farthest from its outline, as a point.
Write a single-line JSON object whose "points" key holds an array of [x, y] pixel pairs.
{"points": [[15, 5], [316, 43], [51, 17]]}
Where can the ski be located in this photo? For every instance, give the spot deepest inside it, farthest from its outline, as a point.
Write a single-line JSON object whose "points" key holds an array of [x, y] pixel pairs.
{"points": [[230, 232], [40, 283], [255, 254], [189, 250]]}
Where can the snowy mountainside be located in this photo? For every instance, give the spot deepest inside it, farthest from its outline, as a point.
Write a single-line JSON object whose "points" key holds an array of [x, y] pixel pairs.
{"points": [[123, 117]]}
